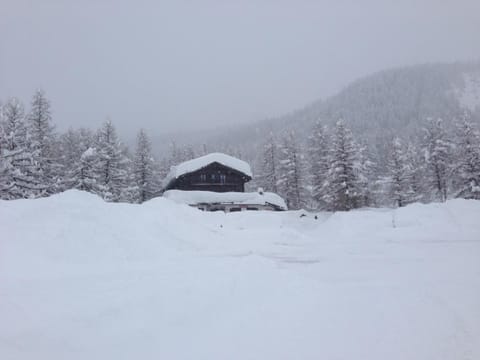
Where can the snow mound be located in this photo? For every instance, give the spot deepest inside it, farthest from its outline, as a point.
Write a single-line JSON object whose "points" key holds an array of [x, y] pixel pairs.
{"points": [[85, 279], [210, 197], [203, 161]]}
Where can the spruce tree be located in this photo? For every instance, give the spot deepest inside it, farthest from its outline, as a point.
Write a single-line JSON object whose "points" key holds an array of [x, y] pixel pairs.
{"points": [[111, 164], [292, 172], [84, 173], [70, 153], [438, 159], [129, 192], [399, 175], [269, 166], [364, 169], [41, 138], [143, 168], [19, 172], [319, 156], [72, 146], [342, 186], [467, 159]]}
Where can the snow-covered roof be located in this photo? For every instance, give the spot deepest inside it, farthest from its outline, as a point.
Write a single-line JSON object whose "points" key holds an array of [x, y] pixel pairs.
{"points": [[210, 197], [203, 161]]}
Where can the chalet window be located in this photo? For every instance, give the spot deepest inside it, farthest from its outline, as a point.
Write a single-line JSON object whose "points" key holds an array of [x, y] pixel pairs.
{"points": [[223, 178], [203, 178], [213, 177], [252, 208], [235, 209]]}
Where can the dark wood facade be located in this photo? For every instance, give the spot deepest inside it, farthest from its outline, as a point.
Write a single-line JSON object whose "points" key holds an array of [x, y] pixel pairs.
{"points": [[213, 177]]}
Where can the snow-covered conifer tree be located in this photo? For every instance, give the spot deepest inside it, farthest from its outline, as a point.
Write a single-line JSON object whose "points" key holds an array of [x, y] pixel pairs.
{"points": [[269, 166], [365, 173], [399, 175], [417, 165], [72, 146], [83, 174], [319, 156], [41, 139], [467, 159], [129, 191], [111, 164], [343, 190], [292, 171], [438, 151], [143, 168], [69, 155], [19, 176]]}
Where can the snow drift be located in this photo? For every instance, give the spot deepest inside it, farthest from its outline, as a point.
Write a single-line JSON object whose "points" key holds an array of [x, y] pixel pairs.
{"points": [[81, 278]]}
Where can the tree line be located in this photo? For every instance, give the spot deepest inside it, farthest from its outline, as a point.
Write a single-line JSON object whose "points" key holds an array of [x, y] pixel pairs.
{"points": [[35, 161], [331, 170], [335, 171]]}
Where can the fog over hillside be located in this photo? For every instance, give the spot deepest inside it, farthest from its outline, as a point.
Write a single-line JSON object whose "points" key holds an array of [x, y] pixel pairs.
{"points": [[388, 103]]}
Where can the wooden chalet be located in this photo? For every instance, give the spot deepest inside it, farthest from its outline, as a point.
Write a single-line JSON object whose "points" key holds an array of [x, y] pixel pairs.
{"points": [[213, 172], [217, 182]]}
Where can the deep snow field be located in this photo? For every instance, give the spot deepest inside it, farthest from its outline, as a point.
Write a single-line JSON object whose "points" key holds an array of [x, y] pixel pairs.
{"points": [[85, 279]]}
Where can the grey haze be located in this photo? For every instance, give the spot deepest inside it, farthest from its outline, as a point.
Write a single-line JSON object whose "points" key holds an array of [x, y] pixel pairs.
{"points": [[176, 65]]}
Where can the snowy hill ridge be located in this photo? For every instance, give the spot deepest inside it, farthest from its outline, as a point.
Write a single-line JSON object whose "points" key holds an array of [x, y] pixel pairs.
{"points": [[82, 278]]}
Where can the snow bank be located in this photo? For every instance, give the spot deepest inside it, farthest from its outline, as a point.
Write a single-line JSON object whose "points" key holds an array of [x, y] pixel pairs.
{"points": [[85, 279], [201, 162], [210, 197]]}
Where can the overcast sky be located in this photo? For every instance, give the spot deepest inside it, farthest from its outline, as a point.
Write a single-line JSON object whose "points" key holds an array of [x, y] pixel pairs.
{"points": [[172, 65]]}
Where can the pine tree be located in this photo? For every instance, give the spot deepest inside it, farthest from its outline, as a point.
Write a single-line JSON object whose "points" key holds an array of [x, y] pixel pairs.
{"points": [[400, 175], [417, 164], [319, 155], [467, 168], [14, 129], [269, 166], [111, 164], [19, 176], [72, 146], [143, 168], [364, 169], [438, 159], [70, 153], [41, 138], [83, 175], [291, 172], [129, 192], [342, 186]]}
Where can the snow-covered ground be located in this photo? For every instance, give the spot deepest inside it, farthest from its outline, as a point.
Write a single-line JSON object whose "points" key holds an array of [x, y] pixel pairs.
{"points": [[84, 279]]}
